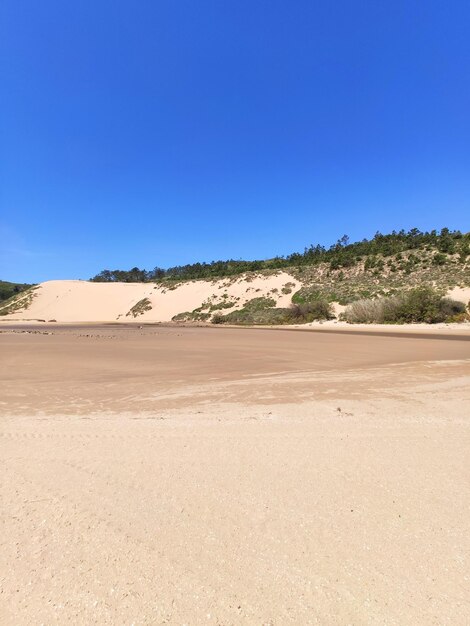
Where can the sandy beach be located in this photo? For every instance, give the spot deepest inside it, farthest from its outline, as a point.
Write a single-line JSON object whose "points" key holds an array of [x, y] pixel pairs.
{"points": [[235, 314], [225, 476]]}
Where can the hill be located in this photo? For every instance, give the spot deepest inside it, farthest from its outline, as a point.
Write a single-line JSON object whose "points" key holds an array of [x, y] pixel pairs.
{"points": [[401, 251], [316, 284], [83, 301]]}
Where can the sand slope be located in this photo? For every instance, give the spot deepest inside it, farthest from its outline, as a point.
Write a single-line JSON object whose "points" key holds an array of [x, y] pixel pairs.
{"points": [[82, 301]]}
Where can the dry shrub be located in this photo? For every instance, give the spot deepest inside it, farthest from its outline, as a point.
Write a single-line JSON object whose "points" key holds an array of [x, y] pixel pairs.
{"points": [[365, 311], [417, 305], [311, 311]]}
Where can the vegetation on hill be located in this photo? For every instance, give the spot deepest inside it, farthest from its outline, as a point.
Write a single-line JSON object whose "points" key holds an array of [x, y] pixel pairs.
{"points": [[140, 308], [396, 278], [399, 251], [263, 311], [204, 312], [191, 316], [8, 290], [18, 302]]}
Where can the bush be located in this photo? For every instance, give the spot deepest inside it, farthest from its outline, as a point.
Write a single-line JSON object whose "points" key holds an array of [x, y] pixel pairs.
{"points": [[253, 317], [259, 304], [191, 316], [226, 304], [140, 308], [439, 259], [218, 319], [287, 288], [311, 311], [307, 294], [459, 318], [424, 305], [365, 311], [417, 305], [259, 312]]}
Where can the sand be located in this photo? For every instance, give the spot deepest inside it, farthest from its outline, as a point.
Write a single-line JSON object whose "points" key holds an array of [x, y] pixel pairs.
{"points": [[78, 301], [83, 301], [462, 294], [233, 476]]}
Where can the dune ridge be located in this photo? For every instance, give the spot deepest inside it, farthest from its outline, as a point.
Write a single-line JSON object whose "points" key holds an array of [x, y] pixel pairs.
{"points": [[79, 301], [83, 301]]}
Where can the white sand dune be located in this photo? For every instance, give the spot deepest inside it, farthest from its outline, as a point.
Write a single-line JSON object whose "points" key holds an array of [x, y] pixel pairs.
{"points": [[82, 301]]}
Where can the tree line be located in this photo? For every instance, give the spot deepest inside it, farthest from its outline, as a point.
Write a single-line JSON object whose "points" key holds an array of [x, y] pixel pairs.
{"points": [[341, 254]]}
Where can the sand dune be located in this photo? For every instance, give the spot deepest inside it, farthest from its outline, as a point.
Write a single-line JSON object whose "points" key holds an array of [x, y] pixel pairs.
{"points": [[82, 301]]}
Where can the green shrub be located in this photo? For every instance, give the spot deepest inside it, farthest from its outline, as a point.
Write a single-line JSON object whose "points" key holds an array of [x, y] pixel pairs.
{"points": [[248, 317], [226, 304], [259, 304], [307, 294], [218, 319], [417, 305], [191, 316], [287, 288], [311, 311], [256, 312], [425, 305], [140, 308], [439, 259], [459, 318]]}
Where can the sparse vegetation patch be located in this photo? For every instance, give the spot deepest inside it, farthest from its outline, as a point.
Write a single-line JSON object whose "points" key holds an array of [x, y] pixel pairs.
{"points": [[19, 302], [262, 311], [191, 316], [287, 288], [8, 290], [140, 308]]}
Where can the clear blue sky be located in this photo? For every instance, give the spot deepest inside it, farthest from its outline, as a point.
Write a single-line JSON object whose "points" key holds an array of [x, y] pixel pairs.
{"points": [[162, 132]]}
